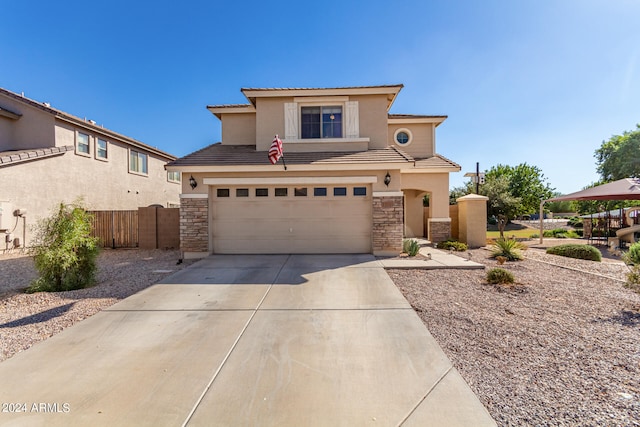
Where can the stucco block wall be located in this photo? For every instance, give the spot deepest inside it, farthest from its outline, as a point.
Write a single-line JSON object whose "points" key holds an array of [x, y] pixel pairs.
{"points": [[373, 119], [194, 225], [269, 121], [387, 225]]}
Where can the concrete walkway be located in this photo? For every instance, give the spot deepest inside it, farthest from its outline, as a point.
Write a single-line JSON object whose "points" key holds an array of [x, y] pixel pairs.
{"points": [[246, 340]]}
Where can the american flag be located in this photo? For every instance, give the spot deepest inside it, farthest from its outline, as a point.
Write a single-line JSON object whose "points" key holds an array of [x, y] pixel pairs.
{"points": [[275, 152]]}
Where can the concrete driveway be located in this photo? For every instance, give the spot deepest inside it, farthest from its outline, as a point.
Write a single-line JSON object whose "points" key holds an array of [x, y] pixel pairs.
{"points": [[269, 340]]}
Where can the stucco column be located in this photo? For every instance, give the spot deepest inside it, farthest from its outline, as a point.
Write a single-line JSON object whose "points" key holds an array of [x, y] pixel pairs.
{"points": [[472, 217], [414, 213]]}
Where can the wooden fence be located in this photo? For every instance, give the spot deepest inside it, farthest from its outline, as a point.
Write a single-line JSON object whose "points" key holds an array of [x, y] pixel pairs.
{"points": [[116, 229]]}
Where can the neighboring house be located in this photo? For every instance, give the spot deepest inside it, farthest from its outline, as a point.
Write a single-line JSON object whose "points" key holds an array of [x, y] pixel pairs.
{"points": [[354, 182], [48, 156]]}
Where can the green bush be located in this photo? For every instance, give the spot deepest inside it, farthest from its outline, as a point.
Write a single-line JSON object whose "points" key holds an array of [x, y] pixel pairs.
{"points": [[64, 252], [411, 247], [632, 256], [452, 245], [499, 276], [561, 233], [511, 249], [576, 222], [586, 252]]}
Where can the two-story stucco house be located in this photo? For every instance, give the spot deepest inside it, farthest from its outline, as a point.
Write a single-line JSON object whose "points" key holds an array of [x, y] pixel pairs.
{"points": [[48, 156], [354, 181]]}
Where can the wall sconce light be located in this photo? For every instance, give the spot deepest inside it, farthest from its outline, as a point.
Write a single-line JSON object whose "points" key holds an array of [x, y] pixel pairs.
{"points": [[192, 182], [387, 179]]}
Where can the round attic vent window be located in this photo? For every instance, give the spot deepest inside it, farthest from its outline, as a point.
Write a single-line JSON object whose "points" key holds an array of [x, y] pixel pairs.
{"points": [[403, 137]]}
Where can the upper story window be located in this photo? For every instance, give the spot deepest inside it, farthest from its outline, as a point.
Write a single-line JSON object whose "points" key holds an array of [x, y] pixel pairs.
{"points": [[82, 143], [402, 137], [101, 149], [138, 162], [321, 122], [173, 176]]}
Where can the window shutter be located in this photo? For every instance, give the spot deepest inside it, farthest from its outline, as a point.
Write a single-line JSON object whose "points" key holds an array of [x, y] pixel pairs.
{"points": [[352, 118], [291, 120]]}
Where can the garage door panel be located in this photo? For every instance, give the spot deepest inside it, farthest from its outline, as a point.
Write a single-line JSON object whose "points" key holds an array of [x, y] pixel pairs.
{"points": [[292, 224]]}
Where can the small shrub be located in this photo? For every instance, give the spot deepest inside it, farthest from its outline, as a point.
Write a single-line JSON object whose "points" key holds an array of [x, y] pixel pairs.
{"points": [[586, 252], [575, 222], [510, 249], [633, 279], [499, 276], [501, 260], [632, 256], [411, 247], [64, 252], [452, 245]]}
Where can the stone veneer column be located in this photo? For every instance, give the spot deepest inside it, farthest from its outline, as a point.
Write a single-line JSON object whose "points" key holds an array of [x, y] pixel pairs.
{"points": [[439, 229], [194, 226], [388, 224]]}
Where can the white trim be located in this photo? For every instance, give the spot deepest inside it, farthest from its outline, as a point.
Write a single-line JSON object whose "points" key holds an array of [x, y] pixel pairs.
{"points": [[194, 196], [325, 140], [388, 194], [293, 180], [320, 99]]}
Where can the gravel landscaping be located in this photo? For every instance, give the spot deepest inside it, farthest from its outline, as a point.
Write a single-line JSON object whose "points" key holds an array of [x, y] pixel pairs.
{"points": [[561, 347], [26, 319]]}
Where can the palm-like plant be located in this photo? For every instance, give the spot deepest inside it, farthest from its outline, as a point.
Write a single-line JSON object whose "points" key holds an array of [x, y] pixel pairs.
{"points": [[510, 249]]}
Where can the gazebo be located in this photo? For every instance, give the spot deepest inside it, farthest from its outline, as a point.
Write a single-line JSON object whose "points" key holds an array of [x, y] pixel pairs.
{"points": [[622, 189]]}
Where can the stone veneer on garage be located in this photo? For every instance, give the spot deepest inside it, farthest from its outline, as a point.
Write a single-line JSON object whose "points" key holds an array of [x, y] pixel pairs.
{"points": [[194, 225], [388, 225]]}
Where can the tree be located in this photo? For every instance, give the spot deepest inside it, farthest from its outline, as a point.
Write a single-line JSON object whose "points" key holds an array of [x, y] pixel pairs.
{"points": [[526, 183], [64, 252], [619, 157], [502, 204]]}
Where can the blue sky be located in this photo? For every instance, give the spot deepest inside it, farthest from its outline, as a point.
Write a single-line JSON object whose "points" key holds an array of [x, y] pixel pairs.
{"points": [[542, 82]]}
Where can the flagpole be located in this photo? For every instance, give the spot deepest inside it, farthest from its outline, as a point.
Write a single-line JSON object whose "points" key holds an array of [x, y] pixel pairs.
{"points": [[283, 162]]}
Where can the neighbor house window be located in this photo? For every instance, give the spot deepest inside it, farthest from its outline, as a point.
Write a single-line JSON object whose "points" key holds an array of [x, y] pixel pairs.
{"points": [[101, 149], [173, 176], [138, 162], [321, 122], [83, 143]]}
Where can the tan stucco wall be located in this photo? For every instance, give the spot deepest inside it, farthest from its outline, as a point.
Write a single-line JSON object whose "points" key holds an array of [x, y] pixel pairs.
{"points": [[422, 142], [239, 129], [269, 121], [39, 186], [35, 129], [378, 186], [437, 184], [413, 213], [373, 119]]}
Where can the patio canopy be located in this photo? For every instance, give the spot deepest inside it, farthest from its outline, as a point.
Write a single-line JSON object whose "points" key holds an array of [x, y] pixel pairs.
{"points": [[623, 189]]}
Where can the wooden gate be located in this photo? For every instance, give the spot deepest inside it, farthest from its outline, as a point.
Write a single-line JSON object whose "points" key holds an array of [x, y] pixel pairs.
{"points": [[116, 229]]}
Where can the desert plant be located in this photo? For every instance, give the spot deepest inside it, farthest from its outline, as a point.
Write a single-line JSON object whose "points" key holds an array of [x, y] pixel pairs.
{"points": [[586, 252], [510, 249], [632, 256], [501, 260], [64, 252], [411, 247], [451, 244], [499, 276], [633, 279]]}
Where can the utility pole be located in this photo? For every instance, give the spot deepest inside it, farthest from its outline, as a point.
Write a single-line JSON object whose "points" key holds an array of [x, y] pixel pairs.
{"points": [[477, 177]]}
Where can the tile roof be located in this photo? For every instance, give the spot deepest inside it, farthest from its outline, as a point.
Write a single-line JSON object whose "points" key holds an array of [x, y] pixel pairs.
{"points": [[436, 161], [230, 155], [416, 116], [320, 88], [8, 158]]}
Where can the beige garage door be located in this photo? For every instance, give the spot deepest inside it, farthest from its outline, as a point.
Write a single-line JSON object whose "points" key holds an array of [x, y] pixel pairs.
{"points": [[279, 219]]}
